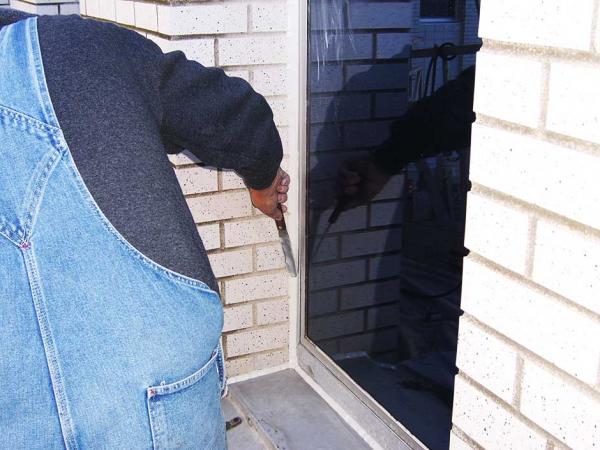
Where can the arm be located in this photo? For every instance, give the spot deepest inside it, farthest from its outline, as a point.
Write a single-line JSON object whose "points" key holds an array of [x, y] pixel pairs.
{"points": [[220, 119]]}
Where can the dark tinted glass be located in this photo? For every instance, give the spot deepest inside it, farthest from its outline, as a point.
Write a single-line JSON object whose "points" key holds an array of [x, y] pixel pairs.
{"points": [[438, 8], [389, 125]]}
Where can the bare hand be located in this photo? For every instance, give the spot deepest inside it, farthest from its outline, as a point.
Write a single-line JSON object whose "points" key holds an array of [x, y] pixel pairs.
{"points": [[359, 180], [267, 200]]}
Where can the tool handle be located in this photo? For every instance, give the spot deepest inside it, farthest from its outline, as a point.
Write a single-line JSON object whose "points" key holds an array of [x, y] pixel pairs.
{"points": [[281, 223]]}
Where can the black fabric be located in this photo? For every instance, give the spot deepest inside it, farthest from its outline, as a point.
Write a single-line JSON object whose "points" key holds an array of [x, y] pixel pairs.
{"points": [[123, 105]]}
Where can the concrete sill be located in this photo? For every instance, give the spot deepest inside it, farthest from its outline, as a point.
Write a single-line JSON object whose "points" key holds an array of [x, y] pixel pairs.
{"points": [[281, 411]]}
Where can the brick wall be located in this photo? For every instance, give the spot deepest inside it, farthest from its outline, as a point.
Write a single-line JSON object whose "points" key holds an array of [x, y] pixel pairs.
{"points": [[248, 40], [529, 341], [44, 6]]}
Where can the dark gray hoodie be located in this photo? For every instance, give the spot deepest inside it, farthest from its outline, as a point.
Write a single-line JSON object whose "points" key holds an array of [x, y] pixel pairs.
{"points": [[123, 105]]}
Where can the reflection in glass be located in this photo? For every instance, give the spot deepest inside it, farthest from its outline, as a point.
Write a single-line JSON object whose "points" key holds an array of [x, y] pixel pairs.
{"points": [[390, 113]]}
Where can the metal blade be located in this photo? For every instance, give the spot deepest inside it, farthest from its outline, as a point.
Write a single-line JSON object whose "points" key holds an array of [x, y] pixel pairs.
{"points": [[290, 264]]}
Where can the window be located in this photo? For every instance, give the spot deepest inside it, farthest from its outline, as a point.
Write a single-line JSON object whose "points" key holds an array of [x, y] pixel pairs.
{"points": [[438, 8]]}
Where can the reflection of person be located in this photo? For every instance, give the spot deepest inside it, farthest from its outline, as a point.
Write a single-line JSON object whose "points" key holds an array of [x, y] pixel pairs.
{"points": [[436, 124], [115, 316]]}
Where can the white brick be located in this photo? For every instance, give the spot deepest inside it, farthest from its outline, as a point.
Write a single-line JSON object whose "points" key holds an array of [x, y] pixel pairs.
{"points": [[82, 7], [202, 19], [145, 16], [34, 9], [250, 50], [196, 180], [574, 103], [219, 206], [560, 407], [489, 423], [106, 10], [279, 107], [251, 231], [243, 74], [256, 287], [251, 341], [270, 257], [231, 262], [552, 177], [272, 311], [92, 7], [182, 158], [125, 12], [539, 22], [200, 50], [505, 93], [231, 180], [270, 80], [69, 8], [558, 333], [497, 232], [269, 16], [210, 235], [568, 262], [486, 359], [237, 317], [457, 443], [248, 363]]}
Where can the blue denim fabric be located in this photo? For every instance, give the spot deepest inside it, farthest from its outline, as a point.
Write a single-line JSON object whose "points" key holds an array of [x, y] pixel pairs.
{"points": [[100, 346]]}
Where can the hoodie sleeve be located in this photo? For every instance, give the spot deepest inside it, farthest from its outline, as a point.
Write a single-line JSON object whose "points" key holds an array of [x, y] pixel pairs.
{"points": [[220, 119]]}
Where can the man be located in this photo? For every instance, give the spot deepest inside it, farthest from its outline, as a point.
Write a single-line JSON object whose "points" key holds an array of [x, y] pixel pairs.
{"points": [[111, 313]]}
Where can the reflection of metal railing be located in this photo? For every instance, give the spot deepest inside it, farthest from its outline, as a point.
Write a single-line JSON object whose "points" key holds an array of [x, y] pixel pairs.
{"points": [[446, 52]]}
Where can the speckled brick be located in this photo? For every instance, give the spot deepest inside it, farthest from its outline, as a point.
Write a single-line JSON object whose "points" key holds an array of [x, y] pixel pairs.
{"points": [[270, 80], [279, 107], [559, 406], [197, 180], [486, 359], [565, 112], [145, 16], [182, 158], [567, 261], [457, 443], [555, 182], [125, 12], [219, 206], [231, 180], [514, 98], [106, 10], [498, 232], [245, 232], [269, 16], [256, 287], [210, 235], [252, 362], [272, 311], [243, 74], [230, 263], [202, 19], [538, 22], [534, 319], [200, 50], [266, 338], [490, 423], [252, 49], [269, 257], [237, 317]]}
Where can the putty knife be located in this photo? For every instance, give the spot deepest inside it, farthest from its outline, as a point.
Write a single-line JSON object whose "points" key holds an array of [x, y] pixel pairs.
{"points": [[284, 238]]}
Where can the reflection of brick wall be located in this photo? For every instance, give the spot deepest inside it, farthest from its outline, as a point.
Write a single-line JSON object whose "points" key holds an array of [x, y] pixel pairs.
{"points": [[358, 85], [248, 40], [44, 6], [529, 340]]}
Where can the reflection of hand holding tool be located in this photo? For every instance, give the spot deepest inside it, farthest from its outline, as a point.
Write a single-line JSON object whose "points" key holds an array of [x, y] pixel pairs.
{"points": [[286, 244]]}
